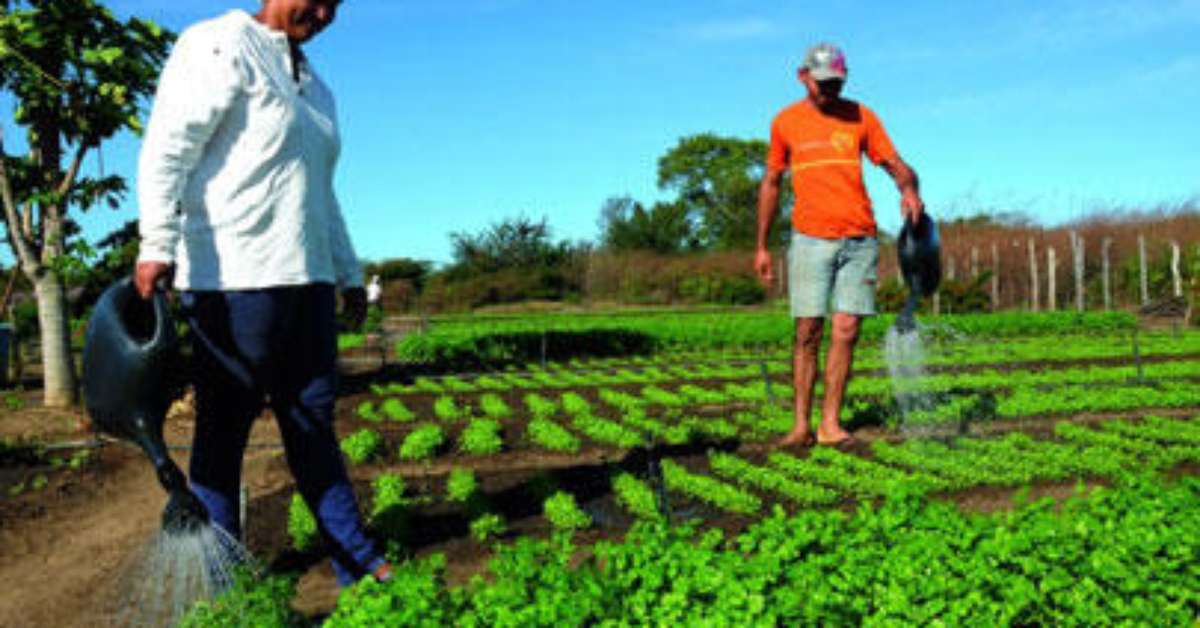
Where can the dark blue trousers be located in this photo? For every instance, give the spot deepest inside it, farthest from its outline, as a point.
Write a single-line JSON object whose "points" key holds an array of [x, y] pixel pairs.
{"points": [[277, 345]]}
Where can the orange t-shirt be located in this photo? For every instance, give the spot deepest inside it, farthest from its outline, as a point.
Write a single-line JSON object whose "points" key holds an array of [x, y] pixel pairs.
{"points": [[824, 153]]}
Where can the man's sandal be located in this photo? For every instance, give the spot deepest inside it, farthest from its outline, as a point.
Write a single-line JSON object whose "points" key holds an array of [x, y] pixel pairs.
{"points": [[806, 441], [842, 445]]}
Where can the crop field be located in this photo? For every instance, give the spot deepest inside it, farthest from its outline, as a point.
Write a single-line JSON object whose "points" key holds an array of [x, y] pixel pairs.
{"points": [[1036, 469], [1046, 476]]}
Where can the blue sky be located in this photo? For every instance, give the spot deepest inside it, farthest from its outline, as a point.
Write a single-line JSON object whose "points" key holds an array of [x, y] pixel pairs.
{"points": [[458, 114]]}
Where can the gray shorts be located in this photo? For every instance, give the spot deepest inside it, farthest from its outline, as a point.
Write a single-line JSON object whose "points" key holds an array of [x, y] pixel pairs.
{"points": [[832, 275]]}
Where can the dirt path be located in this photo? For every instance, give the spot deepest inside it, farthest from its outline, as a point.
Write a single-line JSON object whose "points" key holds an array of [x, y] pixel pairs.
{"points": [[60, 567], [66, 550]]}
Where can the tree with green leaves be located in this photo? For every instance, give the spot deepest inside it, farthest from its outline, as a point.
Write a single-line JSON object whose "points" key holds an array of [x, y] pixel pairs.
{"points": [[413, 271], [626, 225], [517, 242], [716, 181], [78, 76]]}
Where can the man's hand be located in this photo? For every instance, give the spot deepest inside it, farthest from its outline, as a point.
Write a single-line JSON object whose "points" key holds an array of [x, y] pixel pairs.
{"points": [[354, 306], [911, 206], [763, 266], [147, 274]]}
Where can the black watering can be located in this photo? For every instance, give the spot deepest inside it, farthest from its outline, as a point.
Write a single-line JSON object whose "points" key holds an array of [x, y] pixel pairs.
{"points": [[128, 358], [920, 253]]}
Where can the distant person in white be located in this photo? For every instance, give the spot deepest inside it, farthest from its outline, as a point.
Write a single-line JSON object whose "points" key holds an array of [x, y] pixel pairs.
{"points": [[374, 291], [235, 191]]}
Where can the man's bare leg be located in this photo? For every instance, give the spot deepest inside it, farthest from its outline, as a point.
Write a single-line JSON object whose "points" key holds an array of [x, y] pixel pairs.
{"points": [[837, 373], [804, 376]]}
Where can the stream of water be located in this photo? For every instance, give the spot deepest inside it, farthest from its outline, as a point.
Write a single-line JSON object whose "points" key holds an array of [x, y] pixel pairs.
{"points": [[905, 353], [179, 568]]}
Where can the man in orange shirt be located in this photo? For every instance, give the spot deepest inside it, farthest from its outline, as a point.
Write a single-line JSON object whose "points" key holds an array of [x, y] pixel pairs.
{"points": [[832, 263]]}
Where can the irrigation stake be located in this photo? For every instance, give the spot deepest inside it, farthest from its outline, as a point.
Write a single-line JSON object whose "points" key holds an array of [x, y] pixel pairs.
{"points": [[660, 487], [762, 364], [543, 348], [1137, 356], [244, 498]]}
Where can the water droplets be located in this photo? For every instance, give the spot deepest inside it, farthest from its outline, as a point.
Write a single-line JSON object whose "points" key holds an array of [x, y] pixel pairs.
{"points": [[179, 568]]}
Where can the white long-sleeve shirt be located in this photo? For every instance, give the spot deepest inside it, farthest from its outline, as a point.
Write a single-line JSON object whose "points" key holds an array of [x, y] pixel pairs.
{"points": [[235, 176]]}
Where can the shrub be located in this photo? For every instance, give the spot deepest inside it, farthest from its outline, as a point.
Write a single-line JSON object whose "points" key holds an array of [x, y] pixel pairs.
{"points": [[416, 595], [362, 446], [395, 410], [493, 406], [389, 507], [447, 409], [480, 438], [302, 525], [638, 498], [366, 411], [461, 486], [422, 442], [552, 436], [249, 602], [564, 514], [487, 526]]}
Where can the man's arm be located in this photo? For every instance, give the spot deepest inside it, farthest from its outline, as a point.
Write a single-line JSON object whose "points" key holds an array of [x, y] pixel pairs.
{"points": [[911, 205], [768, 204]]}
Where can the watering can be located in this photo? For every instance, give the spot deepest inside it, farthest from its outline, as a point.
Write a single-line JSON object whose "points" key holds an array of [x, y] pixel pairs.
{"points": [[129, 352], [920, 253]]}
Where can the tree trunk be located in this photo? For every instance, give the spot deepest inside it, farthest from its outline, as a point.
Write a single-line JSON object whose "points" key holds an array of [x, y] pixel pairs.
{"points": [[58, 368], [1051, 273], [1033, 277], [1105, 278]]}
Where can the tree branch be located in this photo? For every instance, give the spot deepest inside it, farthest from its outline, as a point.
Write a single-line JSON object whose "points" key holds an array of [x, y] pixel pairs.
{"points": [[68, 179], [27, 220], [23, 248]]}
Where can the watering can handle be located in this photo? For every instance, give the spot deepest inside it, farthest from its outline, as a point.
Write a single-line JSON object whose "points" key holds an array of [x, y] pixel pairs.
{"points": [[162, 315]]}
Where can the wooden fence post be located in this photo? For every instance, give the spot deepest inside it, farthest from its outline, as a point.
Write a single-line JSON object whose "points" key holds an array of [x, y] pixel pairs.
{"points": [[1077, 253], [1033, 277], [951, 275], [1178, 277], [1051, 273], [995, 277], [1105, 279], [1145, 283]]}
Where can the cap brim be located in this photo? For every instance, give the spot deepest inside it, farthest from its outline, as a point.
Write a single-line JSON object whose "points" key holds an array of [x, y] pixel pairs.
{"points": [[825, 74]]}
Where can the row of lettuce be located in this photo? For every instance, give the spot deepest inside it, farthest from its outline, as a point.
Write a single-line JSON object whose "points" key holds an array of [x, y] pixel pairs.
{"points": [[745, 410], [486, 343], [736, 484], [1124, 555], [1018, 353]]}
